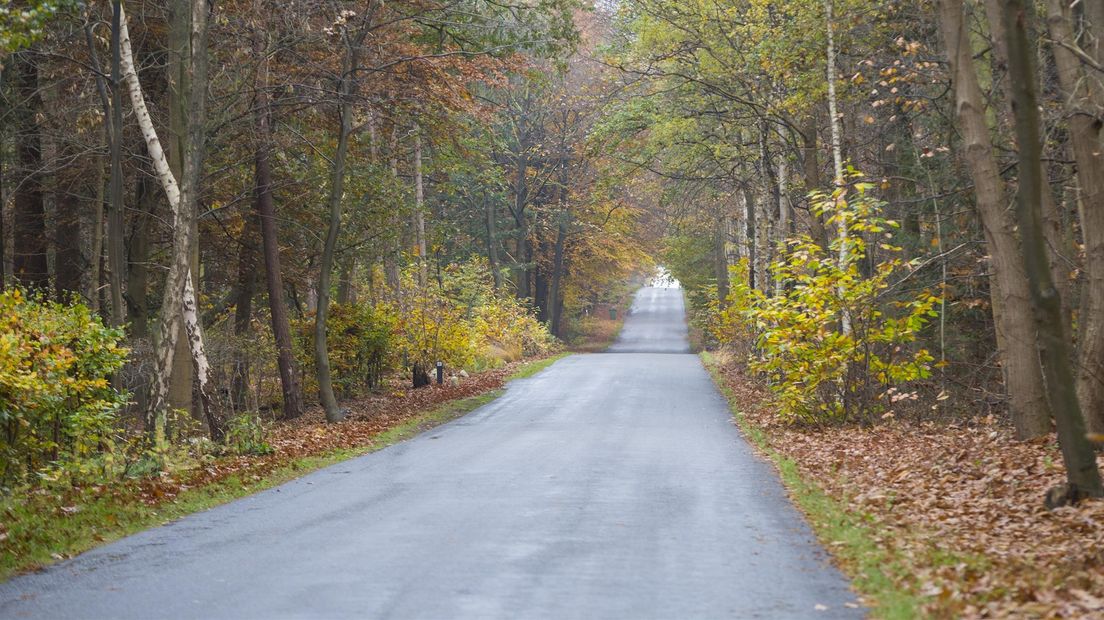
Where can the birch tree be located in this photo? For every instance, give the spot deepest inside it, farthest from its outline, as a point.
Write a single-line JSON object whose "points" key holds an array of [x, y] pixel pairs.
{"points": [[178, 304]]}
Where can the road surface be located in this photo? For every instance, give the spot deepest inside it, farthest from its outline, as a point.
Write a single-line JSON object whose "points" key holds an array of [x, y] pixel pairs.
{"points": [[608, 486]]}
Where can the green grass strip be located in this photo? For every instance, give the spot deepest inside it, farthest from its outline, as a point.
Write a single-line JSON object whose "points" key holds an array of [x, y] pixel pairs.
{"points": [[851, 537], [41, 530]]}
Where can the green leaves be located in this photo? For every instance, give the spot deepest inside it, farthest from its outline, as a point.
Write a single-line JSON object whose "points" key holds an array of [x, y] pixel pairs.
{"points": [[23, 22], [56, 404]]}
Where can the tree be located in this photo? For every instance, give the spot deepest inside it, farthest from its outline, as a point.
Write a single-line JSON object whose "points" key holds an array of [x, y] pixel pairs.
{"points": [[1080, 459], [178, 302]]}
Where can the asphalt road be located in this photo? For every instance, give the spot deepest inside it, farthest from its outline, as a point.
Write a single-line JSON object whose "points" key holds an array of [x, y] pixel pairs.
{"points": [[608, 486]]}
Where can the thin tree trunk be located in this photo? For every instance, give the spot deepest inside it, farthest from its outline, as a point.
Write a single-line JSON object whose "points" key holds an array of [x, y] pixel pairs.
{"points": [[720, 259], [345, 91], [393, 257], [96, 214], [783, 228], [492, 242], [1080, 459], [419, 208], [1010, 297], [837, 154], [68, 207], [243, 317], [116, 226], [266, 212], [752, 225], [29, 263], [810, 168]]}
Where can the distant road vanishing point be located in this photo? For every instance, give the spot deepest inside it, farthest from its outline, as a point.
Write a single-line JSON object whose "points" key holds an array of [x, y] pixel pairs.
{"points": [[611, 485]]}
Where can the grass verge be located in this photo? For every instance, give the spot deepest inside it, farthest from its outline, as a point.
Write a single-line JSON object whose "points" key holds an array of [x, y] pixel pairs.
{"points": [[52, 525], [852, 538]]}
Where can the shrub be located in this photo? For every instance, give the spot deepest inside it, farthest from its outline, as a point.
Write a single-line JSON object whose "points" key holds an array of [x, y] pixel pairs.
{"points": [[58, 410], [819, 370], [361, 347]]}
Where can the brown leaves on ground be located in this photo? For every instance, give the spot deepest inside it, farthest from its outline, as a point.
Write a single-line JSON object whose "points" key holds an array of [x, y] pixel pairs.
{"points": [[962, 506]]}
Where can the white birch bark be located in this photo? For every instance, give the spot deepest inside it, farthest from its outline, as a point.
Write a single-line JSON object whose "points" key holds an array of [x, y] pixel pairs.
{"points": [[179, 301], [837, 154]]}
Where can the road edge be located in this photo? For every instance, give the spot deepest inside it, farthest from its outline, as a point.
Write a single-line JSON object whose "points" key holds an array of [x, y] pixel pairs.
{"points": [[118, 524], [849, 538]]}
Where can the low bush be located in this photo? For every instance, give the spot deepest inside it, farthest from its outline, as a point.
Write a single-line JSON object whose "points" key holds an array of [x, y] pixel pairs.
{"points": [[58, 410]]}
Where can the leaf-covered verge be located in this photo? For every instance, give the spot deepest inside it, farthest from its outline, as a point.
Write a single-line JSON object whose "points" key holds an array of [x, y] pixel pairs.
{"points": [[47, 525], [934, 521]]}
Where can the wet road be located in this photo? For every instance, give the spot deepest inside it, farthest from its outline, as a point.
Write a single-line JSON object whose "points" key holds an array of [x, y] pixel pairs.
{"points": [[608, 486]]}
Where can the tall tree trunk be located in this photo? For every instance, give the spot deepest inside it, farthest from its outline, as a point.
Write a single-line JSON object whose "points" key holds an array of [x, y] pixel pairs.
{"points": [[266, 212], [1085, 137], [784, 216], [182, 382], [116, 225], [243, 317], [492, 242], [751, 221], [555, 293], [1080, 459], [346, 88], [1010, 297], [838, 179], [95, 215], [138, 273], [720, 258], [394, 255], [523, 256], [29, 251], [419, 209], [810, 169], [1053, 235], [69, 204], [178, 302]]}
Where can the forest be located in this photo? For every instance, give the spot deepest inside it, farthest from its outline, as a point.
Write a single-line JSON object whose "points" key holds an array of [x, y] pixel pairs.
{"points": [[240, 233]]}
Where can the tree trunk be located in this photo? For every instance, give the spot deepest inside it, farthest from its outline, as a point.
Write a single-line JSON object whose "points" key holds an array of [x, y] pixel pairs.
{"points": [[752, 222], [243, 317], [838, 180], [521, 232], [116, 226], [783, 228], [1010, 297], [720, 259], [810, 168], [1084, 136], [555, 293], [419, 209], [29, 251], [345, 91], [266, 212], [68, 207], [182, 382], [178, 302], [492, 242], [1077, 452]]}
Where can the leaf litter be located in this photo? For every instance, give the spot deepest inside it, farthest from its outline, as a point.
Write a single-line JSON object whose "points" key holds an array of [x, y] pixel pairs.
{"points": [[960, 505]]}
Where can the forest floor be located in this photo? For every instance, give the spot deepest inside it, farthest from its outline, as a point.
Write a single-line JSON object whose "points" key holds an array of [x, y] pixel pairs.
{"points": [[935, 520], [49, 524]]}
